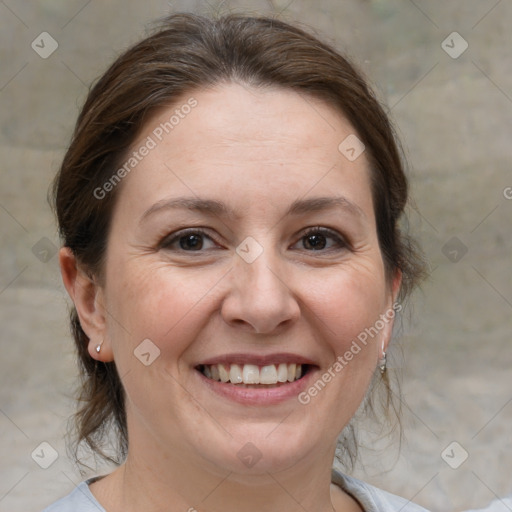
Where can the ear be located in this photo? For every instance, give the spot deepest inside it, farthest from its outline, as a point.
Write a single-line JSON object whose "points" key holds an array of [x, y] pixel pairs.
{"points": [[88, 298], [392, 308]]}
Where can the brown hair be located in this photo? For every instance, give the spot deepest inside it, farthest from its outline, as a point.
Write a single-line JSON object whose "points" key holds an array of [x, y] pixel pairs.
{"points": [[188, 52]]}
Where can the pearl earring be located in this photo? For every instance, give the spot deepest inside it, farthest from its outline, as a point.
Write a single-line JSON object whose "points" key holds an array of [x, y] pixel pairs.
{"points": [[98, 347]]}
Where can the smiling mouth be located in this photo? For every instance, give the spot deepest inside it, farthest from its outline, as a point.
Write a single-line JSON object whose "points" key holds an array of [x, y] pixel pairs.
{"points": [[253, 376]]}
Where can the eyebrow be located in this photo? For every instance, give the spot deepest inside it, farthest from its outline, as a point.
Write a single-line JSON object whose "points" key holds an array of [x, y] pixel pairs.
{"points": [[212, 207]]}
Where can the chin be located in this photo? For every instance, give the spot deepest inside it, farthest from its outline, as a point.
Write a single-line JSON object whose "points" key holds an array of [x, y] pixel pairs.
{"points": [[259, 451]]}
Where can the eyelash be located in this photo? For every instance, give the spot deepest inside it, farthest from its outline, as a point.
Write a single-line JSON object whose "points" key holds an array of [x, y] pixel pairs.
{"points": [[328, 233]]}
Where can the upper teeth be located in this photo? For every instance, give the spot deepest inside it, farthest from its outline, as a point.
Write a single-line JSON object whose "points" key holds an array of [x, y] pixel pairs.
{"points": [[253, 374]]}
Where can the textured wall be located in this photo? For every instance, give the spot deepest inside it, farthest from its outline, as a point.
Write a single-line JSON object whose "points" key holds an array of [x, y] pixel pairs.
{"points": [[452, 106]]}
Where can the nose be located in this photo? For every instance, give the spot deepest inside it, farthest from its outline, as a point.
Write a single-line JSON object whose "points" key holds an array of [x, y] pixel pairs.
{"points": [[260, 297]]}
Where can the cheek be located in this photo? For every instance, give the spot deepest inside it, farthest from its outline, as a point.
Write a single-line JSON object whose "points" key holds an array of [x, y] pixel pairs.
{"points": [[166, 306], [348, 302], [348, 306], [344, 307], [157, 302]]}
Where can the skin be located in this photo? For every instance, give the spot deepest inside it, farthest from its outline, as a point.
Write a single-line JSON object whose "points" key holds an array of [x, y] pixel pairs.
{"points": [[257, 151]]}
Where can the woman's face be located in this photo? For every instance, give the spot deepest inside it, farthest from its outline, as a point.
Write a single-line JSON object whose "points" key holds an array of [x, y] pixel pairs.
{"points": [[244, 237]]}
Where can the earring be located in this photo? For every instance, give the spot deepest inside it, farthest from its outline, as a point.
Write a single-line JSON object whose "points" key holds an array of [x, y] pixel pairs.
{"points": [[382, 360], [98, 347]]}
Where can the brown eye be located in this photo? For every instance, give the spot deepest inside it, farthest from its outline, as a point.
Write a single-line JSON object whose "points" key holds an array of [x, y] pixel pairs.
{"points": [[320, 239], [315, 242], [192, 240]]}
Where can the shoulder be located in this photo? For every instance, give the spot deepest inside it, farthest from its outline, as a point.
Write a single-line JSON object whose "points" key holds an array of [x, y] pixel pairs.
{"points": [[79, 500], [371, 498], [499, 505]]}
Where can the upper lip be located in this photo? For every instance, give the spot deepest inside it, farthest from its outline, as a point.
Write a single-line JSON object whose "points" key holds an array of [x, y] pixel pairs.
{"points": [[258, 359]]}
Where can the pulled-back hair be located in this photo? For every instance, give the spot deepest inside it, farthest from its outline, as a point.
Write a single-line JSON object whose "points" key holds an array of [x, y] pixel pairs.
{"points": [[189, 52]]}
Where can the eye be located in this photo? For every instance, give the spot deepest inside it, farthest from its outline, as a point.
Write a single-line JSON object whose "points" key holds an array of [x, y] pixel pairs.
{"points": [[196, 240], [188, 240], [317, 239]]}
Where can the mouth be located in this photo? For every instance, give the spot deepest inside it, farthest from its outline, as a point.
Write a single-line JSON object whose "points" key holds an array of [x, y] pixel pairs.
{"points": [[254, 376]]}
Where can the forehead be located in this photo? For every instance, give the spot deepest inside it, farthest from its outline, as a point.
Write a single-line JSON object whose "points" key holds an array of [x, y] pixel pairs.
{"points": [[241, 144]]}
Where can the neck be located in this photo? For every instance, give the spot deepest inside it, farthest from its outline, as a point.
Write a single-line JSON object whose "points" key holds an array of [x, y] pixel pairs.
{"points": [[142, 484], [211, 493]]}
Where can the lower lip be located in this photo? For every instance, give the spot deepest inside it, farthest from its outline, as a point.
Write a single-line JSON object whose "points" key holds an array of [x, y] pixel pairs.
{"points": [[263, 396]]}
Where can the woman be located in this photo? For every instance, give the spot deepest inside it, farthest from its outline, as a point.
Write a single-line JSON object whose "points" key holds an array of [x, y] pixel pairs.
{"points": [[229, 209]]}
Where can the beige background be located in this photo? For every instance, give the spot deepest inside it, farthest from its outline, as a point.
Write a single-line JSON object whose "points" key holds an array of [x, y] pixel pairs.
{"points": [[454, 116]]}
